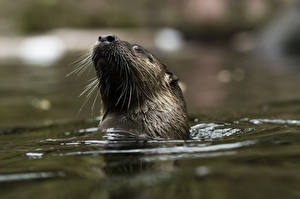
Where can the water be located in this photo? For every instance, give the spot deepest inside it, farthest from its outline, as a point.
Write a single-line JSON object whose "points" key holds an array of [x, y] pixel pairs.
{"points": [[243, 158], [245, 125]]}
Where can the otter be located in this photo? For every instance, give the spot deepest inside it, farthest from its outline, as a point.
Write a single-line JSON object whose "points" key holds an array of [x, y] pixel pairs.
{"points": [[139, 95]]}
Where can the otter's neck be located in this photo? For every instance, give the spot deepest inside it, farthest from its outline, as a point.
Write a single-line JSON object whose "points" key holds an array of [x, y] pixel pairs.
{"points": [[164, 116]]}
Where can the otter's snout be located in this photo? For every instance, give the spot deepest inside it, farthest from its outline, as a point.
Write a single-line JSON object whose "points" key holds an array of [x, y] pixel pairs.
{"points": [[106, 39]]}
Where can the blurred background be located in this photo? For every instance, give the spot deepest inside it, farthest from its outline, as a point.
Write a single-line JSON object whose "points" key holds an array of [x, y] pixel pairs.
{"points": [[233, 57]]}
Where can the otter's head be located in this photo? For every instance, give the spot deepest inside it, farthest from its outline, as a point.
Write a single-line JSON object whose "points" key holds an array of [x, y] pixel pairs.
{"points": [[128, 74]]}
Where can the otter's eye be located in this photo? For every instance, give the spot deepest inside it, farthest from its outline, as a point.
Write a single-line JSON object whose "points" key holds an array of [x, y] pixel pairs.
{"points": [[142, 52], [137, 49], [150, 59]]}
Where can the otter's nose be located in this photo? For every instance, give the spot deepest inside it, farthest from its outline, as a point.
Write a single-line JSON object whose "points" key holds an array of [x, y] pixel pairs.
{"points": [[107, 38]]}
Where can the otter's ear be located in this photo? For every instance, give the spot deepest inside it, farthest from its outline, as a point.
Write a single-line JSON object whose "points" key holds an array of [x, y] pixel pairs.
{"points": [[171, 78]]}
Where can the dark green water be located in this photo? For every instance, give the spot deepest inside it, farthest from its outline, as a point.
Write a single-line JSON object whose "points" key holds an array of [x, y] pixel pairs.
{"points": [[246, 136]]}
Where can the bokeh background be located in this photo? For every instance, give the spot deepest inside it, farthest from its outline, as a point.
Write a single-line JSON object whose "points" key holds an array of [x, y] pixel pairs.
{"points": [[233, 56]]}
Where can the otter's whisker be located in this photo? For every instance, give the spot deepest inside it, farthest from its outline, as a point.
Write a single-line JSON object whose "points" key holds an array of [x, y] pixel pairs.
{"points": [[89, 94], [129, 101], [92, 90], [89, 86], [82, 64], [83, 105], [92, 79], [124, 100], [97, 94], [122, 94]]}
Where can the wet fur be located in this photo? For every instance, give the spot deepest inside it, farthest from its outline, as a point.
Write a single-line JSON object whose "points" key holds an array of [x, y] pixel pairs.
{"points": [[138, 94]]}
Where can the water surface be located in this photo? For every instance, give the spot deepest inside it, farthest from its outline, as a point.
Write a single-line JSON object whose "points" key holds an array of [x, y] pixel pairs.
{"points": [[245, 125]]}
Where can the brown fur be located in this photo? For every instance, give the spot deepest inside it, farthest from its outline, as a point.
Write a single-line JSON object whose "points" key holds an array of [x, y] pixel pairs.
{"points": [[138, 94]]}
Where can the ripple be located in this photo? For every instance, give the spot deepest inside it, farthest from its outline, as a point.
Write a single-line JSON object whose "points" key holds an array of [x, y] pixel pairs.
{"points": [[274, 121], [186, 156], [34, 155], [168, 150], [87, 142], [30, 176], [80, 131], [208, 131]]}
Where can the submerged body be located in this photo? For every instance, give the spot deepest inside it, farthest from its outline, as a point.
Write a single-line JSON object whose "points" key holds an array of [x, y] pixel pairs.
{"points": [[138, 94]]}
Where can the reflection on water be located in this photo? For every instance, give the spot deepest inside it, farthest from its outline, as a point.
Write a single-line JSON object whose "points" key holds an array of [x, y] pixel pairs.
{"points": [[210, 131], [164, 150], [276, 121], [34, 155], [29, 176]]}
